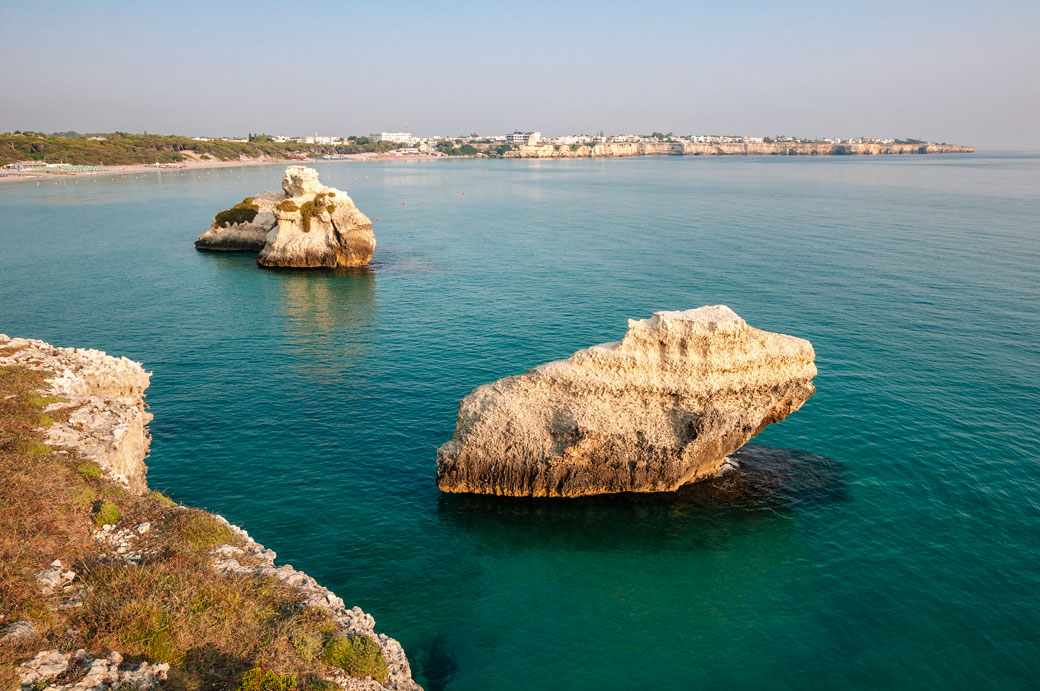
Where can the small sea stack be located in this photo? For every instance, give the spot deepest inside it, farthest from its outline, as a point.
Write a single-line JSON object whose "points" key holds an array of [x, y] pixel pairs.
{"points": [[318, 226], [306, 225], [661, 408]]}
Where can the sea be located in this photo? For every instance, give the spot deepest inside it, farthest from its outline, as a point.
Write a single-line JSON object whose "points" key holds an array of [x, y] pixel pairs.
{"points": [[886, 535]]}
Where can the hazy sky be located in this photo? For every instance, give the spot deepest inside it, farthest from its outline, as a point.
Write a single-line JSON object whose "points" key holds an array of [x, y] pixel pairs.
{"points": [[963, 72]]}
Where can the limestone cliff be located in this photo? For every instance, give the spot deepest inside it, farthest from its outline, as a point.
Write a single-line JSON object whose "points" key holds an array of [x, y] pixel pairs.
{"points": [[108, 426], [109, 421], [318, 226], [661, 408], [686, 148]]}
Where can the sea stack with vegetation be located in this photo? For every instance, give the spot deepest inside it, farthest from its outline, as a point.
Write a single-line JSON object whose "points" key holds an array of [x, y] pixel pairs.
{"points": [[306, 225], [106, 584], [318, 226], [661, 408]]}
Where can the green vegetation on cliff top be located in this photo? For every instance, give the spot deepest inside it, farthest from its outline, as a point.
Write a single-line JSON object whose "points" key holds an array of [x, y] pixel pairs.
{"points": [[215, 630]]}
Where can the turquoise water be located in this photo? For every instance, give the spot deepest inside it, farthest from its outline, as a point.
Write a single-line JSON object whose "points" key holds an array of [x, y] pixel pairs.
{"points": [[886, 535]]}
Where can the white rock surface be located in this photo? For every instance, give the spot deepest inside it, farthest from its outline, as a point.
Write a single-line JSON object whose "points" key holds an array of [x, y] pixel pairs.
{"points": [[661, 408], [335, 235], [109, 424], [243, 237], [55, 578], [18, 631], [99, 673]]}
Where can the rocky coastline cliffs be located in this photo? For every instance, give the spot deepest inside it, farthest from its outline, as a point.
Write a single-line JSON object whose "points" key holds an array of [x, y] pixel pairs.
{"points": [[686, 148], [659, 409], [306, 225], [104, 567], [108, 419]]}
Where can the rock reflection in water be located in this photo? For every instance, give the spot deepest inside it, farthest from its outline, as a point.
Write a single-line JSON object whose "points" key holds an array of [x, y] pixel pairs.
{"points": [[763, 488], [330, 315]]}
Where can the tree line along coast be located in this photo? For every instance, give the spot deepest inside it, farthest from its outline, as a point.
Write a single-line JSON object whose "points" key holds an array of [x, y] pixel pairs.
{"points": [[24, 151]]}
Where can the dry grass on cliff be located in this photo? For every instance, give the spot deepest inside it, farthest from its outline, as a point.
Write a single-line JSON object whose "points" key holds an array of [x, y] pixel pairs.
{"points": [[173, 607]]}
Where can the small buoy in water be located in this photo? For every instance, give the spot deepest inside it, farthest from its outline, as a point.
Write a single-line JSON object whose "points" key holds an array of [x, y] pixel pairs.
{"points": [[445, 189], [463, 194], [377, 219], [403, 203]]}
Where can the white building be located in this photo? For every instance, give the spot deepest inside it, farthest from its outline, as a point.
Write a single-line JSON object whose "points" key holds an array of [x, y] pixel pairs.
{"points": [[402, 137], [519, 138]]}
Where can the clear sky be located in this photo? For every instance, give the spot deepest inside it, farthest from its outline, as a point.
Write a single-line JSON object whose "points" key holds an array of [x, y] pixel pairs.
{"points": [[960, 72]]}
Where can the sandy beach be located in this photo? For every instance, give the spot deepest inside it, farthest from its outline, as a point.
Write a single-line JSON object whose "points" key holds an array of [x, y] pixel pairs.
{"points": [[190, 163]]}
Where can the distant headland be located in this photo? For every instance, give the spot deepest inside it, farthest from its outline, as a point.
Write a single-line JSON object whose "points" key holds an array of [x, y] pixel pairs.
{"points": [[35, 154]]}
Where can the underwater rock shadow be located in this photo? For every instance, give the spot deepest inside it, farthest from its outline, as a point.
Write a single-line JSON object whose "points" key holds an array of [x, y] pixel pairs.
{"points": [[763, 488]]}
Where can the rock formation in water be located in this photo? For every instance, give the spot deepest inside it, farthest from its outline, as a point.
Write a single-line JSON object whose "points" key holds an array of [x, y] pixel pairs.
{"points": [[108, 423], [305, 225], [318, 226], [661, 408], [243, 227]]}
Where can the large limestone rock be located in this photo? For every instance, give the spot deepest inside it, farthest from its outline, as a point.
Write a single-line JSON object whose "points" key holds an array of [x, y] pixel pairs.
{"points": [[661, 408], [227, 235], [318, 226]]}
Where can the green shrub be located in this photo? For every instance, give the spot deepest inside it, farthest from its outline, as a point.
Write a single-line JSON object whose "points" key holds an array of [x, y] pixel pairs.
{"points": [[105, 513], [314, 208], [236, 214], [307, 644], [359, 656], [321, 685], [88, 471], [161, 498], [43, 401], [82, 496], [288, 206], [114, 492], [257, 679], [202, 531], [34, 448]]}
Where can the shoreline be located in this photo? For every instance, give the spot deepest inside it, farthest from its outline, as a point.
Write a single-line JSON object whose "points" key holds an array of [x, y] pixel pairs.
{"points": [[529, 153], [193, 164], [100, 422]]}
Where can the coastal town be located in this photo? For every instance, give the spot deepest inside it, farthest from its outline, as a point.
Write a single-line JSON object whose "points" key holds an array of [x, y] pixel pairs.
{"points": [[28, 155]]}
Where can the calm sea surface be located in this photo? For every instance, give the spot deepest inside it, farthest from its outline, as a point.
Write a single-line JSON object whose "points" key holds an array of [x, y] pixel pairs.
{"points": [[885, 536]]}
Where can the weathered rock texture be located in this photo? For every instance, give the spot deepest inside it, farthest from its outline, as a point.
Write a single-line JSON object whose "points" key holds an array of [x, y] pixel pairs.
{"points": [[661, 408], [109, 422], [318, 226], [91, 673], [622, 149], [249, 236], [305, 225], [348, 621], [108, 427]]}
